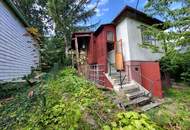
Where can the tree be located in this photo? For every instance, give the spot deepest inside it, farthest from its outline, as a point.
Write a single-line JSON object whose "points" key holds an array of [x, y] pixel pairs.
{"points": [[35, 13], [70, 16], [174, 35]]}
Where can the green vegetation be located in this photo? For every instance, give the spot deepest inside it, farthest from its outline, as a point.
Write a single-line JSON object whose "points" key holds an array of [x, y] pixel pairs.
{"points": [[132, 121], [173, 43], [56, 20], [175, 113], [67, 101], [64, 102]]}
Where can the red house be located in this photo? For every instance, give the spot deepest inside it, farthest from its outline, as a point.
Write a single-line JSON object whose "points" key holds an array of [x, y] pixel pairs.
{"points": [[140, 66]]}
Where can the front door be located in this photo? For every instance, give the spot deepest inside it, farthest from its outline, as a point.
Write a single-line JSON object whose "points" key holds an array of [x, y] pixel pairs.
{"points": [[111, 58]]}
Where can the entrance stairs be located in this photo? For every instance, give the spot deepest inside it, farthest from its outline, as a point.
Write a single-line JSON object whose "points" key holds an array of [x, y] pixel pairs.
{"points": [[131, 93]]}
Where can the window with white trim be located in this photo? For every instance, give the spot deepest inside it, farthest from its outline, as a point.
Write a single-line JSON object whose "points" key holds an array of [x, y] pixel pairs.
{"points": [[147, 38]]}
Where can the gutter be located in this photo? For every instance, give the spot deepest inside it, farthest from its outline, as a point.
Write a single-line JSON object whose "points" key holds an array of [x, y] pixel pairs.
{"points": [[14, 9]]}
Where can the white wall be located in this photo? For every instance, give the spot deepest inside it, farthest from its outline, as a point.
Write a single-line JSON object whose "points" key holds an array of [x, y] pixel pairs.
{"points": [[122, 34], [128, 31], [17, 52]]}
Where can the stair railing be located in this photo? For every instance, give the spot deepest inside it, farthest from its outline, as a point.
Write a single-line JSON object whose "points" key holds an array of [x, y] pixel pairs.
{"points": [[110, 72], [95, 73]]}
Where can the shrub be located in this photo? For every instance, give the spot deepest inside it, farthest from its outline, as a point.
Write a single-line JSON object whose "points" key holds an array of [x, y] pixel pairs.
{"points": [[131, 121], [185, 76], [65, 102]]}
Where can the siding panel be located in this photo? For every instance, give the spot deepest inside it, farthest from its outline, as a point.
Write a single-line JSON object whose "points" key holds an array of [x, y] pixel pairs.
{"points": [[17, 52]]}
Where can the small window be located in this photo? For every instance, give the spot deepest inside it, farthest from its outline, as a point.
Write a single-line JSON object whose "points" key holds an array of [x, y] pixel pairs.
{"points": [[147, 38], [110, 36]]}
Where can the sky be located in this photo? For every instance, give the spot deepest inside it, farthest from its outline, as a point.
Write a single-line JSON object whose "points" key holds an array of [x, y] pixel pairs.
{"points": [[108, 9]]}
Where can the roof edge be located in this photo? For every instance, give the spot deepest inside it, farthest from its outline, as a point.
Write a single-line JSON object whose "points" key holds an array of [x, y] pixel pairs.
{"points": [[16, 12], [134, 13], [101, 27]]}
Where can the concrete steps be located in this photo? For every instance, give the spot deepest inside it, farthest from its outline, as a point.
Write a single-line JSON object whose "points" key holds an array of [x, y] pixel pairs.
{"points": [[130, 88], [134, 93], [150, 106], [138, 100]]}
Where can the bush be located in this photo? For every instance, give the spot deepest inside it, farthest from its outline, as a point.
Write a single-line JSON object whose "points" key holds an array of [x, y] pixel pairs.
{"points": [[67, 102], [185, 76], [131, 121], [177, 65]]}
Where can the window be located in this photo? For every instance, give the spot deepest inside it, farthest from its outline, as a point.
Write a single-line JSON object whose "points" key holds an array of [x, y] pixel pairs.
{"points": [[110, 36], [147, 38]]}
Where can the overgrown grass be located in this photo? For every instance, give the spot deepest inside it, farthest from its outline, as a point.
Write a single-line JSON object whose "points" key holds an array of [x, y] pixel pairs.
{"points": [[68, 102], [65, 101], [175, 113]]}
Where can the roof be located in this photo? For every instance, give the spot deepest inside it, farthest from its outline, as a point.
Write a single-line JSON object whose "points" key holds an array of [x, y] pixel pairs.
{"points": [[18, 14], [101, 27], [128, 12], [135, 14], [78, 33]]}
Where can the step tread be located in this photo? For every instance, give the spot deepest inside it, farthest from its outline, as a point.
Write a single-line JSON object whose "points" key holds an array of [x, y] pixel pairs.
{"points": [[134, 94], [118, 79], [150, 106], [129, 87], [138, 100], [118, 82], [117, 74]]}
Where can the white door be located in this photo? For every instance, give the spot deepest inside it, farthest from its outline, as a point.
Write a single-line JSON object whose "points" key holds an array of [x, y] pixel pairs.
{"points": [[111, 61]]}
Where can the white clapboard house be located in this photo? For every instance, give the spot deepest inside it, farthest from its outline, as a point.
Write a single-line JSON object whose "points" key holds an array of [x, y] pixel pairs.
{"points": [[19, 52]]}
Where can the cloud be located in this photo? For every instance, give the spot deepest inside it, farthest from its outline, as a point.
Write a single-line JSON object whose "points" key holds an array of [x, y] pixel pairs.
{"points": [[92, 5], [105, 9], [103, 2], [129, 1], [101, 12]]}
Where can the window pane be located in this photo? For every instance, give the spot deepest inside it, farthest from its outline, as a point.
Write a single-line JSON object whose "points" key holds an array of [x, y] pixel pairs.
{"points": [[147, 38], [110, 36]]}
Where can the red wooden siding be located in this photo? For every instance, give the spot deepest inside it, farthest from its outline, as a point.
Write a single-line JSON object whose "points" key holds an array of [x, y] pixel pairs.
{"points": [[151, 70], [91, 50]]}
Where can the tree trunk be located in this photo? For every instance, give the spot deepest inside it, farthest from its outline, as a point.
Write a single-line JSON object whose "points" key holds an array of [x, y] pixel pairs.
{"points": [[167, 79]]}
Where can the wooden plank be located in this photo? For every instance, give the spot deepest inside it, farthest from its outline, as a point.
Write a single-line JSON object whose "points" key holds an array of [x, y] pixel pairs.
{"points": [[150, 106], [77, 51], [135, 94], [83, 35], [138, 100]]}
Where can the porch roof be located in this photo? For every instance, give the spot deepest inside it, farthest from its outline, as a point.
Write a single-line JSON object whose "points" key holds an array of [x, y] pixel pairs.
{"points": [[81, 34]]}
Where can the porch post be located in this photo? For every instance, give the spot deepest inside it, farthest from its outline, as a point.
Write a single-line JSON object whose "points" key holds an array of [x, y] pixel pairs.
{"points": [[77, 51]]}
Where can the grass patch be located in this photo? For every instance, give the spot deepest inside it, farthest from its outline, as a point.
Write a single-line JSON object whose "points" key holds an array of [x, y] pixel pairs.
{"points": [[175, 113]]}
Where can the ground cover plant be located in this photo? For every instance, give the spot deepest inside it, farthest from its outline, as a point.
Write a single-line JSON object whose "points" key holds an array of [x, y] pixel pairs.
{"points": [[132, 121], [175, 113], [65, 101]]}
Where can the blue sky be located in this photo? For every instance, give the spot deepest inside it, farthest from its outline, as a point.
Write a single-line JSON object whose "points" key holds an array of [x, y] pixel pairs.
{"points": [[108, 9]]}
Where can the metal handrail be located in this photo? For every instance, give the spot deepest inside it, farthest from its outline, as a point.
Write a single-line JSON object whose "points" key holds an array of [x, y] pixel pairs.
{"points": [[113, 65]]}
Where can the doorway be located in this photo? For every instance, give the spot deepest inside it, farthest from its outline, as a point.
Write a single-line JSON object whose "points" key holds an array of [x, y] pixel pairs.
{"points": [[111, 57]]}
